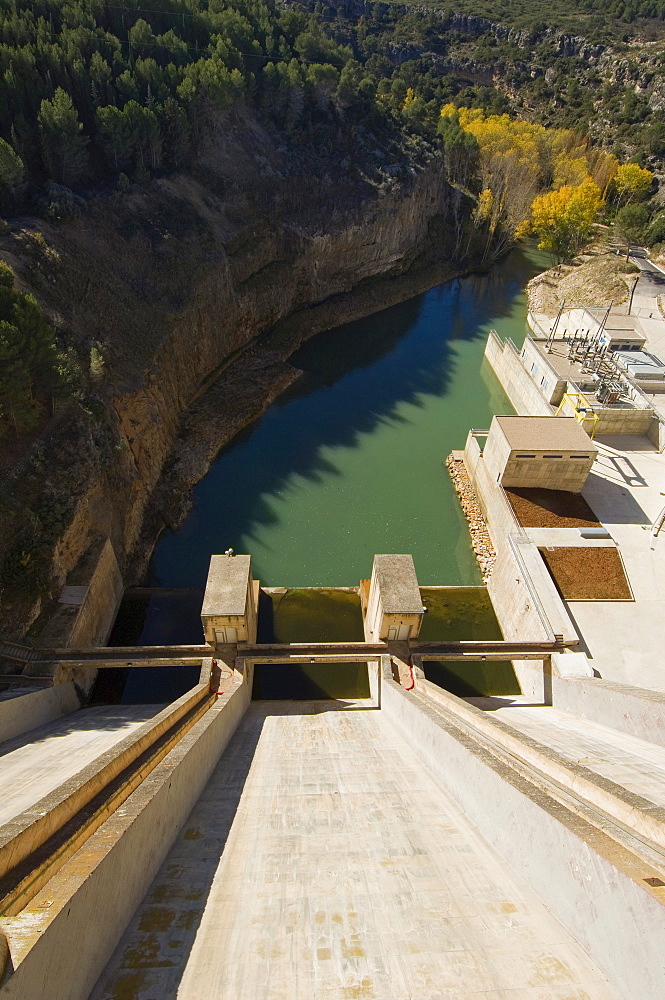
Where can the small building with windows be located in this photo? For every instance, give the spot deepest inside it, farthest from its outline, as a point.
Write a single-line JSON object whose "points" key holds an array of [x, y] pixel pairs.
{"points": [[554, 453], [395, 607], [229, 607]]}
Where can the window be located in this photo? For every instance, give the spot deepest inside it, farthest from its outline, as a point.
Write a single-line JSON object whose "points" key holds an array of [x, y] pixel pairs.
{"points": [[525, 456], [552, 456], [580, 456]]}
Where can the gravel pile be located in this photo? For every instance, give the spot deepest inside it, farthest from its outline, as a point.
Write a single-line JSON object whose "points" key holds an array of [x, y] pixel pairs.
{"points": [[480, 539]]}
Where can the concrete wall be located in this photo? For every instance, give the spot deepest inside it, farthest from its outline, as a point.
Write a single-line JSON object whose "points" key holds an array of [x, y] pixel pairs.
{"points": [[520, 388], [617, 919], [87, 606], [631, 710], [95, 619], [528, 608], [496, 451], [526, 602], [35, 708], [547, 380], [374, 675], [498, 513], [656, 432], [613, 420], [92, 899], [86, 610]]}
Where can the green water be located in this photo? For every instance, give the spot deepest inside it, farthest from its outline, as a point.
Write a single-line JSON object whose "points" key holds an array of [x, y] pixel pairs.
{"points": [[326, 615], [349, 461], [455, 614], [310, 616]]}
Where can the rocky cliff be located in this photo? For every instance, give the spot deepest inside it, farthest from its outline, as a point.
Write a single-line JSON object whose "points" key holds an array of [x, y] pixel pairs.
{"points": [[193, 292]]}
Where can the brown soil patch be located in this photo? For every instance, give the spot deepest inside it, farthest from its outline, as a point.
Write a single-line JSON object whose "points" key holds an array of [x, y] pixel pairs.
{"points": [[539, 508], [593, 281], [588, 574]]}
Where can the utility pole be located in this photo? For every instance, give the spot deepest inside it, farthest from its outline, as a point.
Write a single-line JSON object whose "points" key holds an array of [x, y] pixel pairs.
{"points": [[632, 292], [554, 328]]}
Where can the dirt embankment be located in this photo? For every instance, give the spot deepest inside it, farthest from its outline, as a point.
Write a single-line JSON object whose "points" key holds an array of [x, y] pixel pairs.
{"points": [[176, 285], [597, 280]]}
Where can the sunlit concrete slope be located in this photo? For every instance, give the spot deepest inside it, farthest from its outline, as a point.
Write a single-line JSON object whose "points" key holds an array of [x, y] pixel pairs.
{"points": [[323, 861], [633, 763], [33, 764]]}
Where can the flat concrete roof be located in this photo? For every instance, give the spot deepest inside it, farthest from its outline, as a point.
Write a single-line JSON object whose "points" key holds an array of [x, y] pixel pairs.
{"points": [[616, 323], [545, 434], [226, 589], [396, 576], [557, 359]]}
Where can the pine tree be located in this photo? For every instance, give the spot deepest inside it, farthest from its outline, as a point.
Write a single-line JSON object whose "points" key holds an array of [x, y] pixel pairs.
{"points": [[63, 145], [175, 130], [11, 170]]}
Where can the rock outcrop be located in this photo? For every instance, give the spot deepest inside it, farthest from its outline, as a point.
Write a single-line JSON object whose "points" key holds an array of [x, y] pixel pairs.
{"points": [[175, 285]]}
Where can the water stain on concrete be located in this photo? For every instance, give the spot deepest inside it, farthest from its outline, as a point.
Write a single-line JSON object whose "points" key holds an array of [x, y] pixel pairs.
{"points": [[157, 918]]}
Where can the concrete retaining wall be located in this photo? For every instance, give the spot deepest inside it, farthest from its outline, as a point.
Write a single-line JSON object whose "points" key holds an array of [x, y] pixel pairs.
{"points": [[615, 421], [528, 608], [374, 675], [631, 710], [496, 510], [95, 619], [26, 711], [566, 862], [520, 388], [63, 939], [548, 381], [525, 600], [656, 433], [21, 835]]}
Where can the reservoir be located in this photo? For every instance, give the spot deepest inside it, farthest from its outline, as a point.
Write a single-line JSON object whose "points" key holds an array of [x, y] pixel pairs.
{"points": [[347, 463]]}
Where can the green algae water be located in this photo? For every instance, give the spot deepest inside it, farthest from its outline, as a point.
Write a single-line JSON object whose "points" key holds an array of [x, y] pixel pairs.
{"points": [[455, 614], [349, 461]]}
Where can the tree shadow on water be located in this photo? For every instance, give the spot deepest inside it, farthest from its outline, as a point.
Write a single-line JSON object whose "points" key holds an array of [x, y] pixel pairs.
{"points": [[356, 378]]}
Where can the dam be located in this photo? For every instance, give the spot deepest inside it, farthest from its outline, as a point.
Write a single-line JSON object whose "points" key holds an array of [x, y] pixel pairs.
{"points": [[403, 839]]}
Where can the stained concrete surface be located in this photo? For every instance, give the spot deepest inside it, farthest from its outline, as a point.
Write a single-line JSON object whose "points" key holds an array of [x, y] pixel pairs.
{"points": [[33, 764], [323, 861], [633, 763], [626, 491]]}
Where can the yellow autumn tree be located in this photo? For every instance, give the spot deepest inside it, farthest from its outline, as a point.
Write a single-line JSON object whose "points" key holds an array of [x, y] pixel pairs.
{"points": [[603, 168], [511, 156], [632, 182], [563, 219], [517, 160], [569, 170]]}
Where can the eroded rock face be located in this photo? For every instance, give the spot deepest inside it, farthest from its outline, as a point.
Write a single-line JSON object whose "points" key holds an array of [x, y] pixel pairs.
{"points": [[173, 283]]}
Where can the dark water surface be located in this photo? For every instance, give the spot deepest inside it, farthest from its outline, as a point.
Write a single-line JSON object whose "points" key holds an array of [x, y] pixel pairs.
{"points": [[349, 461]]}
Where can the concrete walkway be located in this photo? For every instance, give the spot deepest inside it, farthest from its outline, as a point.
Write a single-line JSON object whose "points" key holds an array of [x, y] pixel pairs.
{"points": [[33, 764], [635, 764], [323, 862]]}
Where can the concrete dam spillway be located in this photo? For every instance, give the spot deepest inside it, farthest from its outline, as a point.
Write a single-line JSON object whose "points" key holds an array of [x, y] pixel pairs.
{"points": [[418, 834]]}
